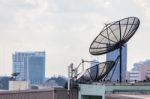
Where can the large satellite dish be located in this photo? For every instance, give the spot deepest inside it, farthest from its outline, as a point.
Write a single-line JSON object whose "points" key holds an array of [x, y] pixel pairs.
{"points": [[114, 35]]}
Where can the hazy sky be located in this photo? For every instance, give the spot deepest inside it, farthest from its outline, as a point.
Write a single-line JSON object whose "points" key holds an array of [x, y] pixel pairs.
{"points": [[66, 28]]}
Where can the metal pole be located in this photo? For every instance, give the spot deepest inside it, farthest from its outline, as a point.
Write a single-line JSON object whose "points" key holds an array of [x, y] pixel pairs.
{"points": [[120, 55], [68, 79], [70, 68], [120, 78], [82, 65]]}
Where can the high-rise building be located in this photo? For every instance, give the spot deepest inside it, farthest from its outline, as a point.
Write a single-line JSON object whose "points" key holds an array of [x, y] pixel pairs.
{"points": [[94, 68], [112, 56], [30, 66], [140, 71], [94, 62]]}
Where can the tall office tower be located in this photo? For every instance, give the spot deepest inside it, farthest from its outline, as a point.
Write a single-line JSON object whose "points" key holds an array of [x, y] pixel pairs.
{"points": [[94, 68], [30, 66], [94, 62], [112, 56]]}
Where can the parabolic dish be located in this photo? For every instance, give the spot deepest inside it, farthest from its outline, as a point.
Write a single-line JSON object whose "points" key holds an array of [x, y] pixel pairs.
{"points": [[96, 73], [114, 35]]}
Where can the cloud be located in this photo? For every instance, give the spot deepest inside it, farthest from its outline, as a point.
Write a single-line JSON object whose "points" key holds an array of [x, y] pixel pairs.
{"points": [[145, 6], [57, 26], [64, 28]]}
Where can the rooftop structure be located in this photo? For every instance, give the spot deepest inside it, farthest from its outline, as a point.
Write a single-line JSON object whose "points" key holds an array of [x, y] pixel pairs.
{"points": [[60, 93]]}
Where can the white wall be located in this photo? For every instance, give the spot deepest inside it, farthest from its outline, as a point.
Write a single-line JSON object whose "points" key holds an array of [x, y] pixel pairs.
{"points": [[18, 85]]}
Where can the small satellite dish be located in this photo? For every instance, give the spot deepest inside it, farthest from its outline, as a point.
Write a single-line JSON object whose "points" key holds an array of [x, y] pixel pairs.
{"points": [[114, 35], [96, 73]]}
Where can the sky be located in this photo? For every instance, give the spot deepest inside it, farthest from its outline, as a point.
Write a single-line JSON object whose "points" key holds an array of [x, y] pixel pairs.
{"points": [[64, 29]]}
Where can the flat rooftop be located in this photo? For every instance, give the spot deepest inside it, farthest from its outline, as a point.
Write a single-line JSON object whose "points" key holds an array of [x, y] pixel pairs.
{"points": [[60, 93]]}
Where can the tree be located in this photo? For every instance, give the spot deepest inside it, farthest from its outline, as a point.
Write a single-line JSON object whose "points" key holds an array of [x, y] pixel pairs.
{"points": [[60, 80]]}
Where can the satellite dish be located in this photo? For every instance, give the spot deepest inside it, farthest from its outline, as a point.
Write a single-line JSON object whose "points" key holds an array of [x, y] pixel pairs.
{"points": [[96, 73], [114, 35]]}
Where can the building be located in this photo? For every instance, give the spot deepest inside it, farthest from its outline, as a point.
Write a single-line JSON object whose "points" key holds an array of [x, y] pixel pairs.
{"points": [[51, 93], [4, 82], [94, 62], [30, 66], [94, 68], [18, 85], [140, 71], [112, 56]]}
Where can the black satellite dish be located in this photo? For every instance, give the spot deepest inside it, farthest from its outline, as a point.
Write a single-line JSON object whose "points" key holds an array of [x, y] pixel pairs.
{"points": [[95, 73], [113, 36]]}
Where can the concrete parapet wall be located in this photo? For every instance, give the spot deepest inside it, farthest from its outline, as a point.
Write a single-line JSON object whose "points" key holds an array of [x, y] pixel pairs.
{"points": [[54, 93]]}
